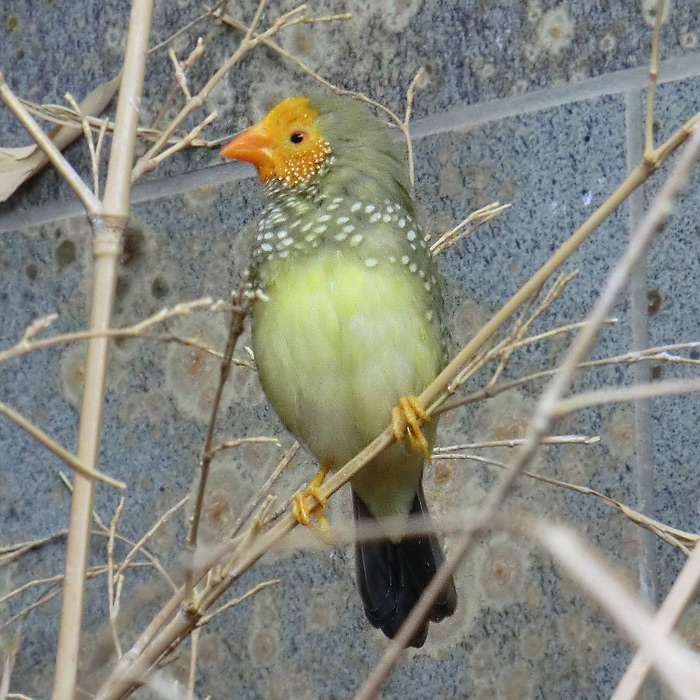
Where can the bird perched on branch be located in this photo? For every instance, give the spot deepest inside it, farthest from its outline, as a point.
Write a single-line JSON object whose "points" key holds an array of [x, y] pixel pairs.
{"points": [[348, 329]]}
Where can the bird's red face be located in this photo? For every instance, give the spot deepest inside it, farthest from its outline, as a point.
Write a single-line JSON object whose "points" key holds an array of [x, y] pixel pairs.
{"points": [[286, 144]]}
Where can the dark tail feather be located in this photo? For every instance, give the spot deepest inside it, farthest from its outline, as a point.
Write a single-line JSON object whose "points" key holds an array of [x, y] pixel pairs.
{"points": [[392, 575]]}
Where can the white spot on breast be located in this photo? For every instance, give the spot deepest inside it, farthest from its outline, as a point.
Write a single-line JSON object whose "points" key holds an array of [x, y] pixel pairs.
{"points": [[375, 217], [282, 233], [268, 235], [266, 247], [340, 236], [306, 226], [349, 228], [369, 208], [310, 237], [356, 207], [429, 315], [405, 259], [284, 254], [392, 258], [342, 219], [402, 223], [371, 262], [386, 218], [356, 239], [296, 223], [413, 267], [320, 229], [428, 286], [337, 200], [259, 237], [411, 235], [324, 217], [287, 242]]}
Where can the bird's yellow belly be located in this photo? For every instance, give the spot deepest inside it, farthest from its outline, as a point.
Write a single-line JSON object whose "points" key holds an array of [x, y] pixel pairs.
{"points": [[337, 343]]}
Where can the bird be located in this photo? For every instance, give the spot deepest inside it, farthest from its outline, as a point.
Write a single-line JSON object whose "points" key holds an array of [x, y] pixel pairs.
{"points": [[347, 327]]}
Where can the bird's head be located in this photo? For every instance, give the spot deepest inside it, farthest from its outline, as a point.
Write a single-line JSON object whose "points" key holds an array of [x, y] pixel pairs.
{"points": [[298, 136], [287, 144]]}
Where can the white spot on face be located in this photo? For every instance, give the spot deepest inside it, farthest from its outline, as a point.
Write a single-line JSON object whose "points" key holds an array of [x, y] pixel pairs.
{"points": [[356, 207], [371, 262], [369, 208], [320, 229], [356, 239], [411, 235], [342, 219]]}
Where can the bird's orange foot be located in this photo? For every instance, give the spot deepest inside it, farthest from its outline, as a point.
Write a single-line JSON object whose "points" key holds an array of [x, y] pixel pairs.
{"points": [[302, 509], [406, 420]]}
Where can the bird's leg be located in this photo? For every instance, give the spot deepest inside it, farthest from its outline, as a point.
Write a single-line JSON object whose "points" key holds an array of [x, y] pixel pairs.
{"points": [[302, 510], [406, 419]]}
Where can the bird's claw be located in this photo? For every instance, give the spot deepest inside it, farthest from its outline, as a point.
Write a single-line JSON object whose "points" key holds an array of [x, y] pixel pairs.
{"points": [[302, 507], [406, 420]]}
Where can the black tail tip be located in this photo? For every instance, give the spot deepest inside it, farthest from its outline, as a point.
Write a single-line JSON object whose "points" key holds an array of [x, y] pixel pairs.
{"points": [[391, 577]]}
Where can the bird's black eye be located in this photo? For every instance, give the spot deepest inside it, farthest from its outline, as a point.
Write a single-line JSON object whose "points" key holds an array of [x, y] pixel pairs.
{"points": [[297, 137]]}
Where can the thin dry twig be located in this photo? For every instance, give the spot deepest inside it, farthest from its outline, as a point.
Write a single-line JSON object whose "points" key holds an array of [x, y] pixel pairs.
{"points": [[681, 594], [672, 387], [194, 650], [113, 604], [205, 619], [61, 452], [232, 444], [467, 226], [28, 343], [676, 665], [87, 132], [680, 539], [240, 307], [651, 87]]}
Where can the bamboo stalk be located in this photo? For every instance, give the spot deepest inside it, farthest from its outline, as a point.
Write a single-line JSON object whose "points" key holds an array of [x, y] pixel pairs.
{"points": [[108, 230]]}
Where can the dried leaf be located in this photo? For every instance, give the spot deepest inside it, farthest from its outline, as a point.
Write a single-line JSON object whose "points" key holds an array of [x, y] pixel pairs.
{"points": [[19, 164]]}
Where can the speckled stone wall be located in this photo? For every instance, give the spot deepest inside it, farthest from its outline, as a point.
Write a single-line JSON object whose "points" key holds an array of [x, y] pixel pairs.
{"points": [[535, 103]]}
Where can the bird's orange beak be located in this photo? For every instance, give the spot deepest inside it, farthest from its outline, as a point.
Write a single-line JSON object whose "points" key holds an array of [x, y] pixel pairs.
{"points": [[252, 146]]}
